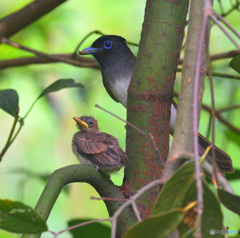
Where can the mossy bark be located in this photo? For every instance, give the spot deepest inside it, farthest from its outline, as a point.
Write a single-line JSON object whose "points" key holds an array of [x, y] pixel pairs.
{"points": [[150, 94]]}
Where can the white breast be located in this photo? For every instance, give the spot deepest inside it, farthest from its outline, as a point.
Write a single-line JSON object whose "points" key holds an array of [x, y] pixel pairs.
{"points": [[119, 90]]}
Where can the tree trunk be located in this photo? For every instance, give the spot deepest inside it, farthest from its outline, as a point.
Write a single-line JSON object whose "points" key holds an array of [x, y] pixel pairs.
{"points": [[150, 94]]}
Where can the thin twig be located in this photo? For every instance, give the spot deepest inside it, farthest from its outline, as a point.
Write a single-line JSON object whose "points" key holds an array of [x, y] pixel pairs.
{"points": [[209, 127], [229, 108], [222, 119], [220, 6], [221, 26], [77, 61], [195, 121], [8, 143], [203, 157], [88, 35], [36, 52], [114, 217], [220, 75], [140, 131], [78, 225], [134, 206], [224, 55], [226, 23], [219, 116], [234, 7], [213, 117], [109, 199], [138, 194], [137, 213]]}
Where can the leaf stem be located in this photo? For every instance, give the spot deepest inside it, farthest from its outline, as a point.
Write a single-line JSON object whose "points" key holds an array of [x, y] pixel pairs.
{"points": [[29, 110], [8, 143]]}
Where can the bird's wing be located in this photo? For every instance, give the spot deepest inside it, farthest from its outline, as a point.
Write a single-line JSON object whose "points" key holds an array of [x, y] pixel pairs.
{"points": [[223, 160], [91, 147], [99, 152], [110, 158]]}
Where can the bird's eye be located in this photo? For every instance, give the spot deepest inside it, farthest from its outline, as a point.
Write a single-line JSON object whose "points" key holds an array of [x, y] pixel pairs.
{"points": [[90, 123], [107, 44]]}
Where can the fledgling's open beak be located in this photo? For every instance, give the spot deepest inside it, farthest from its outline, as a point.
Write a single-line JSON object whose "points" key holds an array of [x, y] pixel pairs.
{"points": [[80, 122], [90, 50]]}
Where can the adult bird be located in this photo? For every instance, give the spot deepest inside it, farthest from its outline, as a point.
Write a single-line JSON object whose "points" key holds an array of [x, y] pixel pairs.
{"points": [[117, 64], [97, 148]]}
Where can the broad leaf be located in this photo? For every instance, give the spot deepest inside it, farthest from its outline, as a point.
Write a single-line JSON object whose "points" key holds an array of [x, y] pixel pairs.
{"points": [[235, 63], [60, 84], [9, 101], [161, 225], [91, 231], [174, 190], [230, 201], [212, 217], [18, 218]]}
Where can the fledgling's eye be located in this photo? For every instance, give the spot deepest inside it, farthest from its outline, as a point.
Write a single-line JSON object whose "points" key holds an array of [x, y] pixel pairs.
{"points": [[90, 123], [107, 44]]}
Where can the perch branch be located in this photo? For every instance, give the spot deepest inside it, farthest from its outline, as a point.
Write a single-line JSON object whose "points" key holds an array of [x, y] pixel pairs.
{"points": [[78, 173]]}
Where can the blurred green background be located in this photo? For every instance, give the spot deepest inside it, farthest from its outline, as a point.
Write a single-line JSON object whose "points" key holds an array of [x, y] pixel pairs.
{"points": [[44, 144]]}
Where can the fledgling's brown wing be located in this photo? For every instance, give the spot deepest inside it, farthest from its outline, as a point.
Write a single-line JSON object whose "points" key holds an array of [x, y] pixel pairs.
{"points": [[90, 147], [100, 149]]}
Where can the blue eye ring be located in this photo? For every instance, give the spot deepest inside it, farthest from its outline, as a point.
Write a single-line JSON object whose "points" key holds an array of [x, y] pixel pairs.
{"points": [[107, 44]]}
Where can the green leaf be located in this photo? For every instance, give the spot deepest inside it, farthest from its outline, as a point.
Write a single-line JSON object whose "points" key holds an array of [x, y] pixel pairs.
{"points": [[174, 190], [235, 63], [212, 217], [91, 231], [9, 101], [60, 84], [234, 176], [18, 218], [157, 226], [229, 200]]}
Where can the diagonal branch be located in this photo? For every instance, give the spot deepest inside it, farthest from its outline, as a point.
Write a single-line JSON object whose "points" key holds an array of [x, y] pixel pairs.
{"points": [[224, 55], [71, 59], [14, 22], [219, 116]]}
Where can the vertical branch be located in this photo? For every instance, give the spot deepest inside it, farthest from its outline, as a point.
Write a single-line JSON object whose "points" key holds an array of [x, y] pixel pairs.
{"points": [[213, 117], [194, 70], [150, 93], [196, 125]]}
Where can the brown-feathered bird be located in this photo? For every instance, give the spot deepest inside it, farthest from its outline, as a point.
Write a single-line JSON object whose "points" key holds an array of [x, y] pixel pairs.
{"points": [[97, 148]]}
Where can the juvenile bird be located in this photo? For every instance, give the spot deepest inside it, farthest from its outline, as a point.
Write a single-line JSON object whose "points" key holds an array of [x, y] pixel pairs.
{"points": [[97, 148], [117, 64]]}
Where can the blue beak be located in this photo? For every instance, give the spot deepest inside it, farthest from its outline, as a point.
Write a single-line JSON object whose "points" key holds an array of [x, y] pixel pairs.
{"points": [[89, 50]]}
